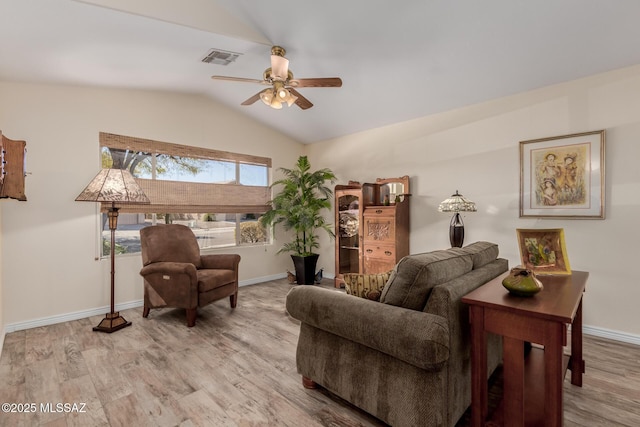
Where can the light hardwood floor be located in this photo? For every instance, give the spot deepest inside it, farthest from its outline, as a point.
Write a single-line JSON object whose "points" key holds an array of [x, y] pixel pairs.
{"points": [[234, 368]]}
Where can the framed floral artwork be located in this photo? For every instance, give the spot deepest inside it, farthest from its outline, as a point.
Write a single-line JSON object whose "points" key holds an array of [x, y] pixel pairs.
{"points": [[563, 176], [543, 251]]}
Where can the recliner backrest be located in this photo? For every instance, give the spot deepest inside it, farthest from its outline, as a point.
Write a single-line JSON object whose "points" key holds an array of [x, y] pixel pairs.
{"points": [[169, 243]]}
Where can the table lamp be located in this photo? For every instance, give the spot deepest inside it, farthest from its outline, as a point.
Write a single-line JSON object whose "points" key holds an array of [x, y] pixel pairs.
{"points": [[456, 203]]}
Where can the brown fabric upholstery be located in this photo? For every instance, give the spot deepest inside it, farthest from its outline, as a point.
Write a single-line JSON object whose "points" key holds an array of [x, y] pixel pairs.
{"points": [[407, 367], [211, 279], [425, 344], [174, 242], [176, 275], [415, 276], [482, 253]]}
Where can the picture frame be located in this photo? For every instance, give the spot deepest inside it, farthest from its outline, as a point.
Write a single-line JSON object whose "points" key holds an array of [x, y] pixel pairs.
{"points": [[563, 176], [543, 251]]}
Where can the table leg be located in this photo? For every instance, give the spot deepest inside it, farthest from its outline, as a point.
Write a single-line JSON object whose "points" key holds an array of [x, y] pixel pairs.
{"points": [[479, 400], [553, 373], [576, 363], [513, 368]]}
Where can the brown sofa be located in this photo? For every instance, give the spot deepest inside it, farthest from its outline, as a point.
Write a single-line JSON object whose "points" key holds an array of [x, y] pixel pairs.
{"points": [[176, 275], [404, 359]]}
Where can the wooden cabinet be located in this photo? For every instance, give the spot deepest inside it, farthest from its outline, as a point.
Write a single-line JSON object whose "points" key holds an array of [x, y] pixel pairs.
{"points": [[12, 168], [372, 226], [385, 236], [348, 203]]}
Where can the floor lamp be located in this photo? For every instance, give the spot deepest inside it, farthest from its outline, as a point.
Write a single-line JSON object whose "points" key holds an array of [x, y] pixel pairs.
{"points": [[113, 186], [456, 203]]}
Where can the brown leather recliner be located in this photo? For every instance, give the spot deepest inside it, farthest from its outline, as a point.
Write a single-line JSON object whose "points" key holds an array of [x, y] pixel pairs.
{"points": [[176, 275]]}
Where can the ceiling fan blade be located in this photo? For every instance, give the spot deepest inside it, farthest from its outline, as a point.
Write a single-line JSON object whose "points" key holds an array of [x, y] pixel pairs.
{"points": [[253, 99], [318, 82], [279, 67], [301, 102], [240, 79]]}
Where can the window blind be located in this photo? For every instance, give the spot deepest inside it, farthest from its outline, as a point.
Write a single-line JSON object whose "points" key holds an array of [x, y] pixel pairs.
{"points": [[190, 197]]}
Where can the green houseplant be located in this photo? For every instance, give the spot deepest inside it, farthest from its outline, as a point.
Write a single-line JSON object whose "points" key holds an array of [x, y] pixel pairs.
{"points": [[298, 207]]}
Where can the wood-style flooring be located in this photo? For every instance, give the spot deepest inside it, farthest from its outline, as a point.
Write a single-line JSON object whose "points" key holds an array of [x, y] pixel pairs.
{"points": [[234, 368]]}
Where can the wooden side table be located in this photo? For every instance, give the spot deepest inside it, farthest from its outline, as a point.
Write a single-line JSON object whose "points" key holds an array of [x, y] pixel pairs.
{"points": [[532, 385]]}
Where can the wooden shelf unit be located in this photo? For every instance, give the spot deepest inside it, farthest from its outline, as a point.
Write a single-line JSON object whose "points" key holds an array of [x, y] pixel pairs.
{"points": [[371, 236]]}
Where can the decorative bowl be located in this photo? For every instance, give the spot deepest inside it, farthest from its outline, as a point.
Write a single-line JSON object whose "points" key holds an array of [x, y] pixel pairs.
{"points": [[522, 282]]}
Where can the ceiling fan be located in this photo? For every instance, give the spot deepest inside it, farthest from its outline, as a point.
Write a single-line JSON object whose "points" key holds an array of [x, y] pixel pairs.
{"points": [[282, 83]]}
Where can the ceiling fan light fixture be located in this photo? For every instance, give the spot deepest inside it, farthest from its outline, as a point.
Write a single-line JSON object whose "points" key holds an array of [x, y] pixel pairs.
{"points": [[275, 104], [267, 96], [281, 91], [285, 96], [270, 98], [279, 67], [278, 94], [291, 100]]}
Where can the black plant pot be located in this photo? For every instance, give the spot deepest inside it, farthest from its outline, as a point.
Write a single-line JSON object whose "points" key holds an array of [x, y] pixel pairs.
{"points": [[305, 268]]}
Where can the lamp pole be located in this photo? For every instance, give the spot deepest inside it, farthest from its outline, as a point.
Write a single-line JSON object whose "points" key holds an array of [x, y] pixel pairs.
{"points": [[112, 321]]}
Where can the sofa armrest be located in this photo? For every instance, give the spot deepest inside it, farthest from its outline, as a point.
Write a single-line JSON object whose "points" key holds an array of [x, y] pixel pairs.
{"points": [[418, 338], [220, 261]]}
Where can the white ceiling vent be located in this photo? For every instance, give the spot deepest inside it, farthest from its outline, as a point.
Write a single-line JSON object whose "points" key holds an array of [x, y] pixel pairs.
{"points": [[220, 57]]}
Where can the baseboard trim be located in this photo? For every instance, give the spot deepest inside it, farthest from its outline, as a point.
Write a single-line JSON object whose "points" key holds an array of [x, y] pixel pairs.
{"points": [[611, 335], [59, 318], [100, 311], [262, 279]]}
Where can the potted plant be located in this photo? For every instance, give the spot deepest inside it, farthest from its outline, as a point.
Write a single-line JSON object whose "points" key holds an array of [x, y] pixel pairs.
{"points": [[298, 207]]}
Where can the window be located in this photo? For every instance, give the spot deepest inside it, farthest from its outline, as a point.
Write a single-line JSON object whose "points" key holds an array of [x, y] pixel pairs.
{"points": [[219, 195]]}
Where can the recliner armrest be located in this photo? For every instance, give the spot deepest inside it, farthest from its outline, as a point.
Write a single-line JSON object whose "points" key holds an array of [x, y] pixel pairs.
{"points": [[173, 284], [170, 268], [418, 338], [220, 261]]}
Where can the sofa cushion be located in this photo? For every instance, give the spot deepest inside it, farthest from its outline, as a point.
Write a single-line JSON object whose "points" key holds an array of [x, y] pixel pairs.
{"points": [[367, 286], [482, 253], [414, 277]]}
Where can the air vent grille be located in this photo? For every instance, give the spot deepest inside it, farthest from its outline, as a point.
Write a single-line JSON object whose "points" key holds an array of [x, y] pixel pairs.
{"points": [[220, 57]]}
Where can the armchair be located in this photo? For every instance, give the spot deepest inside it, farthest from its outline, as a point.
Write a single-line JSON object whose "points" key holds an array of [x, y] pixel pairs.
{"points": [[176, 275]]}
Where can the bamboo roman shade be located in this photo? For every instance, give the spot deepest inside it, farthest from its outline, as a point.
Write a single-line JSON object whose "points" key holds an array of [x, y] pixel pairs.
{"points": [[191, 197]]}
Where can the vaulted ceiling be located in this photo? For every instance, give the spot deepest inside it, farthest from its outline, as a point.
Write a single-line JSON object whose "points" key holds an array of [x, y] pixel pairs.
{"points": [[398, 60]]}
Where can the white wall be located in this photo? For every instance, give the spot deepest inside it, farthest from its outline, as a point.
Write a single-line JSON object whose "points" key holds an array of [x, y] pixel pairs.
{"points": [[50, 242], [476, 150]]}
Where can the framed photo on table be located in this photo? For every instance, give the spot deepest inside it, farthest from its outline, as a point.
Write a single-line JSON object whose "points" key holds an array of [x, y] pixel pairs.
{"points": [[563, 176], [543, 251]]}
